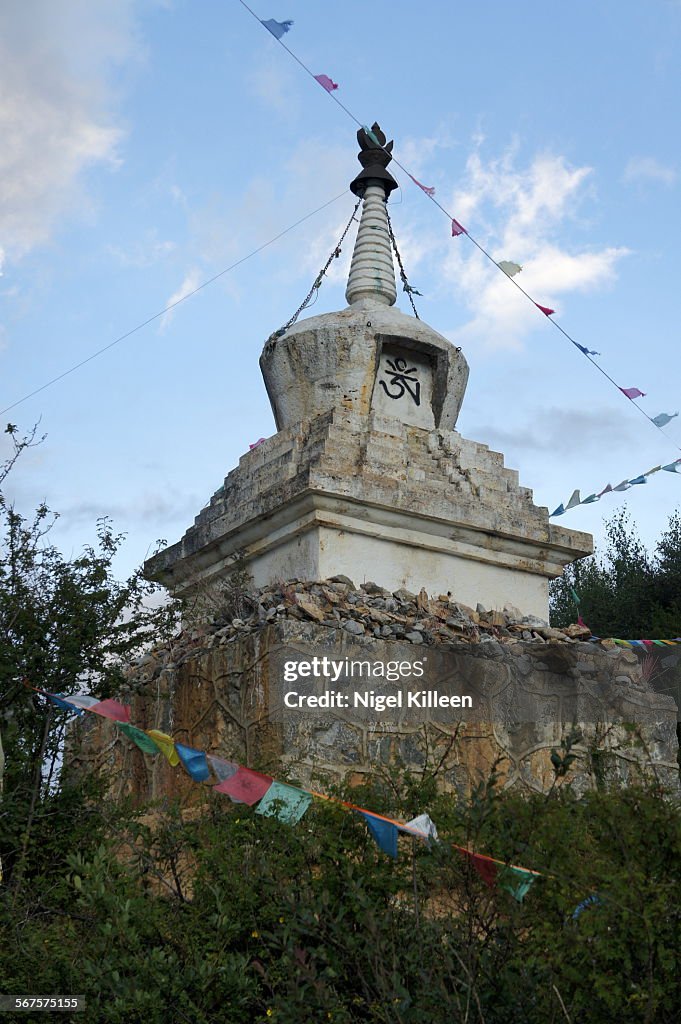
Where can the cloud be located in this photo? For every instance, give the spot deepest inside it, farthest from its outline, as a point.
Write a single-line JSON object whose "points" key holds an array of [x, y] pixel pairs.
{"points": [[230, 226], [641, 169], [560, 432], [143, 253], [191, 282], [145, 508], [519, 214], [275, 84], [55, 109]]}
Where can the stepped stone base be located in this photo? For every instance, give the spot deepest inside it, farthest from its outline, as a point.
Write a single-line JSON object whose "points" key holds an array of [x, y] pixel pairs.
{"points": [[372, 496]]}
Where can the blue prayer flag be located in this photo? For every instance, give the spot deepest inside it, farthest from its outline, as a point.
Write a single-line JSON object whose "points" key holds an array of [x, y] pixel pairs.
{"points": [[277, 28], [287, 803], [559, 511], [384, 832], [194, 762], [664, 418], [54, 697]]}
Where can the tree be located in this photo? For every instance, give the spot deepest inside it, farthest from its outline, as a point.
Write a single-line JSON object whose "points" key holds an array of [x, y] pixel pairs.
{"points": [[625, 592], [65, 625]]}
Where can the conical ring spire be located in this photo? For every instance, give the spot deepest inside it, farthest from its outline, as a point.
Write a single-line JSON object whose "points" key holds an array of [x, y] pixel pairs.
{"points": [[372, 274]]}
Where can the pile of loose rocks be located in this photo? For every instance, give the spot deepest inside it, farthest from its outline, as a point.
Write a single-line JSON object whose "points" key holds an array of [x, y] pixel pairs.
{"points": [[367, 610]]}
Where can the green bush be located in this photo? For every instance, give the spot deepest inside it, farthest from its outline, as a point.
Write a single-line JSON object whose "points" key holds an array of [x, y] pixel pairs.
{"points": [[236, 918]]}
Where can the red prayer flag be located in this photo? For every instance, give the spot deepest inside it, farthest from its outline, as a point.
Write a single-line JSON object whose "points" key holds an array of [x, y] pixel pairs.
{"points": [[245, 786], [486, 868], [326, 82], [259, 441], [632, 393], [112, 709], [425, 188], [545, 309], [457, 229]]}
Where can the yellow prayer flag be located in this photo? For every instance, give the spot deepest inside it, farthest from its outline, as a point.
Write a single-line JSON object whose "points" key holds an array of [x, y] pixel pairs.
{"points": [[165, 744]]}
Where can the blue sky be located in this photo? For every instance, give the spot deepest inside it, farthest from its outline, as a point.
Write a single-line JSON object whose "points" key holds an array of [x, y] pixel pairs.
{"points": [[148, 144]]}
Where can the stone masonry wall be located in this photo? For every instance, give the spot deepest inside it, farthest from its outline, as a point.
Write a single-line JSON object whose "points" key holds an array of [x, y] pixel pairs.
{"points": [[216, 688]]}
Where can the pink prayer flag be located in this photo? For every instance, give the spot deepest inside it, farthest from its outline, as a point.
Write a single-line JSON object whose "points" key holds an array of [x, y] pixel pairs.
{"points": [[426, 188], [606, 490], [545, 309], [457, 229], [581, 622], [112, 709], [259, 441], [632, 393], [245, 786], [326, 82]]}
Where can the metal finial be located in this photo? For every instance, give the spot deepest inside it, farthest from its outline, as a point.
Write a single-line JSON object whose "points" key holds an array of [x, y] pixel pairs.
{"points": [[374, 155]]}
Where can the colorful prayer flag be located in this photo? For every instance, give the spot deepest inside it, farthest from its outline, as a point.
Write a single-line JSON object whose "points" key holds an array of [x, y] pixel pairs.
{"points": [[590, 499], [606, 490], [372, 136], [222, 769], [587, 351], [106, 708], [287, 803], [56, 698], [632, 393], [194, 762], [639, 480], [245, 786], [664, 418], [138, 736], [258, 442], [558, 511], [423, 824], [326, 82], [383, 831], [624, 486], [574, 500], [165, 744], [545, 309], [509, 267], [588, 902], [457, 229], [517, 881], [673, 467], [425, 188], [277, 28]]}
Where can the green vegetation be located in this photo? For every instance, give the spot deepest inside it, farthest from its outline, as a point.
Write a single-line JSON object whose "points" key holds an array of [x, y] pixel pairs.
{"points": [[625, 592], [221, 916], [235, 918]]}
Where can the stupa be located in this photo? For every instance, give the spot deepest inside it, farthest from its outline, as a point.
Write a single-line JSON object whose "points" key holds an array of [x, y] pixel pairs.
{"points": [[367, 476]]}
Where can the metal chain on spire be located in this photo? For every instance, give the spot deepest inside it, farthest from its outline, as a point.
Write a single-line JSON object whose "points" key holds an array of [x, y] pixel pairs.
{"points": [[319, 278], [405, 283]]}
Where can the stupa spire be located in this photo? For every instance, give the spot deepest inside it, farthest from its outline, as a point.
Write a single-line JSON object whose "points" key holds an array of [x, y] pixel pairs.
{"points": [[372, 274]]}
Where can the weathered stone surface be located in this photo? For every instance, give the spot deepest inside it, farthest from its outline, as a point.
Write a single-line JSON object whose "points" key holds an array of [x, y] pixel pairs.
{"points": [[325, 497], [224, 699]]}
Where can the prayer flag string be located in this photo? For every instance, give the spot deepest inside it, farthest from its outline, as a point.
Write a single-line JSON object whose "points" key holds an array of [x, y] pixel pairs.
{"points": [[278, 29], [281, 800], [576, 499]]}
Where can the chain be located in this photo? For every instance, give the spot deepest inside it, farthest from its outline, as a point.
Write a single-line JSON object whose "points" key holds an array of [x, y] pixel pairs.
{"points": [[319, 278], [405, 283]]}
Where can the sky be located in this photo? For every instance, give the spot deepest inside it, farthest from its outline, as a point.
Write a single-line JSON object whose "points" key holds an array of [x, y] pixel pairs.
{"points": [[149, 144]]}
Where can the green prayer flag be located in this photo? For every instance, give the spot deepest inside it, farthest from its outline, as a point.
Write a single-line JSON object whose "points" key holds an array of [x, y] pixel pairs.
{"points": [[516, 881], [284, 802], [139, 737]]}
